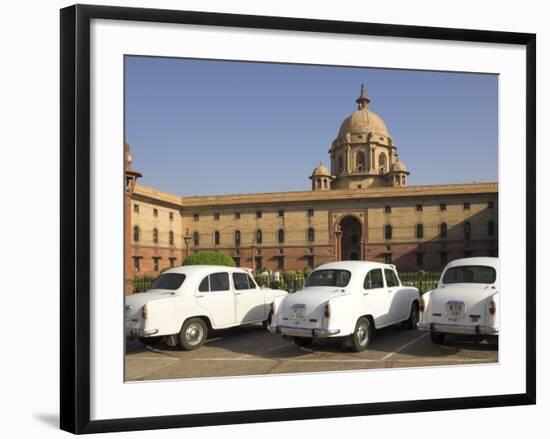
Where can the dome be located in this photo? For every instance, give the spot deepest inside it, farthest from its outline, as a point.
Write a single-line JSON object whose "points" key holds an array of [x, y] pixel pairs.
{"points": [[320, 170], [398, 166], [363, 121]]}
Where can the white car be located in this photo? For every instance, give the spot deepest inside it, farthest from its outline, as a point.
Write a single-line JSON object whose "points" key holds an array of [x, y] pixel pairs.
{"points": [[465, 301], [348, 299], [191, 300]]}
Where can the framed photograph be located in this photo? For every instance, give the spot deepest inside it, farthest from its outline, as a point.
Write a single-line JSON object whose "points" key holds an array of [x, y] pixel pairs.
{"points": [[274, 218]]}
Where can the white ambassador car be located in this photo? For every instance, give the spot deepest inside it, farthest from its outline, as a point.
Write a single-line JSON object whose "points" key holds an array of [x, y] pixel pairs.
{"points": [[189, 301], [465, 301], [348, 299]]}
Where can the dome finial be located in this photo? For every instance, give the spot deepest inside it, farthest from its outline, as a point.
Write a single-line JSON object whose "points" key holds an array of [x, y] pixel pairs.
{"points": [[362, 100]]}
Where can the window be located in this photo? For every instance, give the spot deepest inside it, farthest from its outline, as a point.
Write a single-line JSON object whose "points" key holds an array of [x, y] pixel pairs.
{"points": [[237, 238], [281, 263], [237, 261], [196, 238], [137, 260], [419, 208], [468, 253], [259, 236], [310, 234], [467, 230], [195, 217], [388, 231], [258, 214], [391, 278], [387, 209], [466, 206], [311, 261], [155, 212], [242, 281], [443, 259], [155, 236], [237, 215], [172, 262], [281, 236], [281, 213], [419, 259], [443, 230], [171, 237], [493, 253], [491, 204], [171, 216], [136, 233], [215, 282], [491, 228], [168, 281], [479, 274], [419, 231], [373, 279], [442, 207], [258, 262], [156, 263], [328, 278], [216, 238], [310, 212], [387, 258], [136, 208], [216, 216]]}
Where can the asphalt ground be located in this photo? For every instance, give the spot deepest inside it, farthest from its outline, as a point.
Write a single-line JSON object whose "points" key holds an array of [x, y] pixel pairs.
{"points": [[252, 350]]}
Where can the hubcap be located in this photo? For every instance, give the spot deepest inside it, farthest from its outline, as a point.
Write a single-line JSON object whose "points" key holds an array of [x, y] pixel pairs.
{"points": [[362, 334], [194, 334]]}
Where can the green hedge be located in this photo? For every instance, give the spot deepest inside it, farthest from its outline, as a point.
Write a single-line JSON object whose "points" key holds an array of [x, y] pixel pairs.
{"points": [[209, 258]]}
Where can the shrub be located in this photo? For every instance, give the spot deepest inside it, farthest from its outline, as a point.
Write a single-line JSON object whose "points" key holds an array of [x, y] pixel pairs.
{"points": [[263, 279], [142, 283], [307, 271], [209, 258]]}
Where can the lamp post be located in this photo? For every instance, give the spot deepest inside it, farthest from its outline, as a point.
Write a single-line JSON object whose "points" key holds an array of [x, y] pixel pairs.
{"points": [[186, 239], [253, 252]]}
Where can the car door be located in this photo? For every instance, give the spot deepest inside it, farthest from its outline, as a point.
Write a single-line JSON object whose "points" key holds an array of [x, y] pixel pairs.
{"points": [[249, 299], [376, 296], [395, 297], [216, 297]]}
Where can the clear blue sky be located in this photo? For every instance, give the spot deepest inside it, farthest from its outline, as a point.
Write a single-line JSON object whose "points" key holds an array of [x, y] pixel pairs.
{"points": [[199, 127]]}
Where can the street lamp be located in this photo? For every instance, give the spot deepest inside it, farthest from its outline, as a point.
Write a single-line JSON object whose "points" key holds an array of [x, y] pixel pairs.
{"points": [[187, 238]]}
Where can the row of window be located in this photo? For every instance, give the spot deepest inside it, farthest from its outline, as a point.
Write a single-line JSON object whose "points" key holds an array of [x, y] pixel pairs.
{"points": [[155, 212], [156, 263], [258, 237], [419, 230], [259, 214], [137, 234], [443, 207]]}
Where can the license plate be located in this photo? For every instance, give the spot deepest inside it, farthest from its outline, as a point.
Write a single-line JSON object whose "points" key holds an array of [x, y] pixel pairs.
{"points": [[455, 310], [298, 313]]}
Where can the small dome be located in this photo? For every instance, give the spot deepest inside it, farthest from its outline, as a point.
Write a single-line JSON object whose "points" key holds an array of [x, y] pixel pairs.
{"points": [[399, 166], [320, 170]]}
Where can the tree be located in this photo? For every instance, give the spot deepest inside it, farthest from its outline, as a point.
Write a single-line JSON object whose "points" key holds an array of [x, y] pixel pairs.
{"points": [[209, 258]]}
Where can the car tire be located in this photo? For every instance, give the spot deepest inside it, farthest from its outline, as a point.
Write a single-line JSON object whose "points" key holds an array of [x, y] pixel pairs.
{"points": [[151, 341], [437, 337], [193, 334], [303, 341], [412, 321], [267, 321], [360, 339]]}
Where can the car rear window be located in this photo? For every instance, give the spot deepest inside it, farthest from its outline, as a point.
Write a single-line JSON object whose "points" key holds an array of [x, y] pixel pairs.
{"points": [[168, 281], [328, 278], [474, 274]]}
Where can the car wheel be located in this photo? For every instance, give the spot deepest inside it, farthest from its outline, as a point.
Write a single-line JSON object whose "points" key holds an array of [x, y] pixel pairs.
{"points": [[150, 341], [193, 334], [360, 338], [303, 341], [267, 321], [412, 321], [437, 337]]}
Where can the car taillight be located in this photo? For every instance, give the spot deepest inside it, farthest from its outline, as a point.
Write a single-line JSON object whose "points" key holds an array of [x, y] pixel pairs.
{"points": [[144, 312], [492, 307], [327, 310], [422, 305]]}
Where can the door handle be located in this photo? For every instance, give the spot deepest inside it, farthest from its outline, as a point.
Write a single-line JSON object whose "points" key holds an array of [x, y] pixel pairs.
{"points": [[237, 294], [200, 295], [365, 294], [390, 291]]}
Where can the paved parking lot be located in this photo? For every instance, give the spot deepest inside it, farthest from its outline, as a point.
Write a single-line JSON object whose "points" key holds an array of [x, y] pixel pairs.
{"points": [[251, 350]]}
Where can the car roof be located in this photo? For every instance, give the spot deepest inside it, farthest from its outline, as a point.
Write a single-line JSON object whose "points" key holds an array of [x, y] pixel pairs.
{"points": [[342, 265], [479, 260], [202, 270]]}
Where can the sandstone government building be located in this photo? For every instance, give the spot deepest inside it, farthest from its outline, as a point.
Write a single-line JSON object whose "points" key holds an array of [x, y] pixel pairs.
{"points": [[361, 208]]}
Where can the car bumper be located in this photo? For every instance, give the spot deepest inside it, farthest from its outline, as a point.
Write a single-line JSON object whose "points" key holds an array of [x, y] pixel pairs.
{"points": [[302, 332], [133, 332], [458, 329]]}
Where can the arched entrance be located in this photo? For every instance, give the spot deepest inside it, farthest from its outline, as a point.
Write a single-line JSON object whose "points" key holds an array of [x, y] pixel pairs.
{"points": [[350, 239]]}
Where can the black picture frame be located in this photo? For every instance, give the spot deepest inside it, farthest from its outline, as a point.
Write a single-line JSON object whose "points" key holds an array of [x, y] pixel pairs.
{"points": [[75, 217]]}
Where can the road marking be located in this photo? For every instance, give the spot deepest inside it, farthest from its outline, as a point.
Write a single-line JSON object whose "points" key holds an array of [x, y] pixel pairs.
{"points": [[275, 348], [405, 346]]}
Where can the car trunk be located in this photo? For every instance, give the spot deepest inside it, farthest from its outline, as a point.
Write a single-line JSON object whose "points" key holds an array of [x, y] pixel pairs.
{"points": [[134, 303]]}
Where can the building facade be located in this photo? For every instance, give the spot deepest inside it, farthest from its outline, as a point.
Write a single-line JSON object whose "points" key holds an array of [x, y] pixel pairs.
{"points": [[361, 209]]}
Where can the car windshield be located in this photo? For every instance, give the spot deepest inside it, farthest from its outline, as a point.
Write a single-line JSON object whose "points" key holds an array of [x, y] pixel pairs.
{"points": [[168, 281], [328, 278], [471, 274]]}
